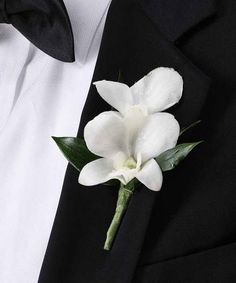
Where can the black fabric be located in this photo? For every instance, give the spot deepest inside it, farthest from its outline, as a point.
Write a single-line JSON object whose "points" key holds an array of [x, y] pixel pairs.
{"points": [[45, 23], [216, 265], [176, 17], [186, 232]]}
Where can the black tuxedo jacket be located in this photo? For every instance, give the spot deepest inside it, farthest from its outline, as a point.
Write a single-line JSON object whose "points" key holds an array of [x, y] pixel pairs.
{"points": [[186, 232]]}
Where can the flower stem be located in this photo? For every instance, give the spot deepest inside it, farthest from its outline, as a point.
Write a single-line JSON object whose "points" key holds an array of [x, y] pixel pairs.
{"points": [[124, 196]]}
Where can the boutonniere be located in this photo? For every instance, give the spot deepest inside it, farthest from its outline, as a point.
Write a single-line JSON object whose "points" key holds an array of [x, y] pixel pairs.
{"points": [[133, 144]]}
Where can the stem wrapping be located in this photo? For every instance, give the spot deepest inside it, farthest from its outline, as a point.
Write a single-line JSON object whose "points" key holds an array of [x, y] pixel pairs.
{"points": [[124, 196]]}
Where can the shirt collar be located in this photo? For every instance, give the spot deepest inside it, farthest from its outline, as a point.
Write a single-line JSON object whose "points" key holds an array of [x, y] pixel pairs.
{"points": [[85, 16]]}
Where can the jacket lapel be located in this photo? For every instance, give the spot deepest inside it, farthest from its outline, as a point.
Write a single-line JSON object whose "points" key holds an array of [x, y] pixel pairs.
{"points": [[133, 43], [176, 17]]}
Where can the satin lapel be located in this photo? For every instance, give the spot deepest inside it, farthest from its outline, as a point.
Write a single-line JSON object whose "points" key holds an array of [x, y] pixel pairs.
{"points": [[132, 43]]}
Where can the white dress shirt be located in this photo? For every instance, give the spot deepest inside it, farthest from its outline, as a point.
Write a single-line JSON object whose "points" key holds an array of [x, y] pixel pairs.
{"points": [[40, 97]]}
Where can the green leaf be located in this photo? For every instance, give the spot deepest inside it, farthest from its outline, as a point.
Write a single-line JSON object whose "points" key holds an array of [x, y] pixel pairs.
{"points": [[112, 183], [169, 159], [120, 77], [185, 129], [75, 151]]}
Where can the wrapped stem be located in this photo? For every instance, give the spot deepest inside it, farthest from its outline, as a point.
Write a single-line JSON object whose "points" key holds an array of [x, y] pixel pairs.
{"points": [[124, 196]]}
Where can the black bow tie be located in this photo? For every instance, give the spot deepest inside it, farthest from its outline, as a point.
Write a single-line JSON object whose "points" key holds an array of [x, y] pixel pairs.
{"points": [[44, 22]]}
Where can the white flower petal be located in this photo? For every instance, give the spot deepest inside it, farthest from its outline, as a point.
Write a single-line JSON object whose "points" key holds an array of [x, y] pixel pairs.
{"points": [[106, 135], [151, 175], [134, 120], [159, 133], [118, 95], [96, 172], [159, 90], [124, 176]]}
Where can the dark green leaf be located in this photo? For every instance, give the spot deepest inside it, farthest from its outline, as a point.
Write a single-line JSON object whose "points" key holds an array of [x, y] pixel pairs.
{"points": [[169, 159], [120, 77], [112, 183], [189, 127], [75, 151]]}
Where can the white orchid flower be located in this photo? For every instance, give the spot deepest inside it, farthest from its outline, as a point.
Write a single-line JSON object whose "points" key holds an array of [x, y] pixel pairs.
{"points": [[155, 92], [125, 158], [129, 141]]}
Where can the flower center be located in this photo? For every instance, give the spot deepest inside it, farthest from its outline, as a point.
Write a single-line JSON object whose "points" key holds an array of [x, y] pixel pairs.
{"points": [[130, 163], [137, 110], [126, 169]]}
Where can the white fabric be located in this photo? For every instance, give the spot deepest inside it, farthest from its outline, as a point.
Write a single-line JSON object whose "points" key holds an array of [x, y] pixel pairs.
{"points": [[40, 97]]}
